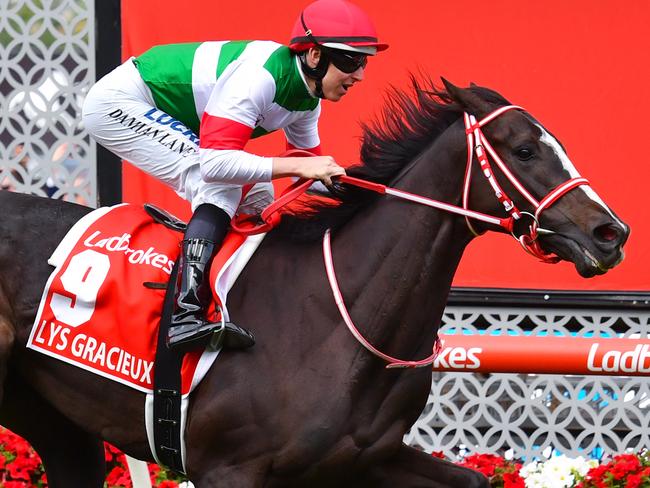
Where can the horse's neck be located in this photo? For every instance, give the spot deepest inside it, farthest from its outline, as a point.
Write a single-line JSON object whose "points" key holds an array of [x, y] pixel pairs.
{"points": [[397, 259]]}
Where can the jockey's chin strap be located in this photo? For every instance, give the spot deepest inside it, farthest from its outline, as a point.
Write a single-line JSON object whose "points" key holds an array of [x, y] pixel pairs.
{"points": [[479, 145]]}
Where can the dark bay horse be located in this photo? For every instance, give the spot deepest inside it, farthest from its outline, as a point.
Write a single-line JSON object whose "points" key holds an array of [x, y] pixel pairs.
{"points": [[308, 406]]}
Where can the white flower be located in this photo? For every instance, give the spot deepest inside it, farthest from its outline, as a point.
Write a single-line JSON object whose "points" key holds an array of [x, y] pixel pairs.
{"points": [[557, 472], [529, 469]]}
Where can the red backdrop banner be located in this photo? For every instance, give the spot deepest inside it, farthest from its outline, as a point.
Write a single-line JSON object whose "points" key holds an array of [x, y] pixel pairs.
{"points": [[579, 67]]}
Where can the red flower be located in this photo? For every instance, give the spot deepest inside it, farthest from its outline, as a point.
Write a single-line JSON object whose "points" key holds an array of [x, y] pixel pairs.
{"points": [[484, 463], [118, 477], [513, 480], [20, 466], [623, 465], [154, 469], [168, 484], [633, 481], [112, 454], [15, 484], [23, 466]]}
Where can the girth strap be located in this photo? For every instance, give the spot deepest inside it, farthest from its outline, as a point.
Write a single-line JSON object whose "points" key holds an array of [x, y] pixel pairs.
{"points": [[167, 389]]}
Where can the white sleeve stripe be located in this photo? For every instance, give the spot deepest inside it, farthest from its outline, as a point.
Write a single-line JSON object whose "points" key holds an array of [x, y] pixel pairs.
{"points": [[259, 51], [232, 166], [242, 93], [204, 73]]}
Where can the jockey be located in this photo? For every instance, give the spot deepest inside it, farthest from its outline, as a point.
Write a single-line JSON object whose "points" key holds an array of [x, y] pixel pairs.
{"points": [[183, 113]]}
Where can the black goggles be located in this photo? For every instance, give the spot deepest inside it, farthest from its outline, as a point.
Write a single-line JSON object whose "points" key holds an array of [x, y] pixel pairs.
{"points": [[347, 62]]}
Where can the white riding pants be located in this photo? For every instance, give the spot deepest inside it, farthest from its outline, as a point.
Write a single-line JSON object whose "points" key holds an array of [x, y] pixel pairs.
{"points": [[120, 114]]}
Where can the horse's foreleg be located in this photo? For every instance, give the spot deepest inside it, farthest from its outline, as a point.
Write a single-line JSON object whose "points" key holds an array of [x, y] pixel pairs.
{"points": [[71, 456], [411, 468]]}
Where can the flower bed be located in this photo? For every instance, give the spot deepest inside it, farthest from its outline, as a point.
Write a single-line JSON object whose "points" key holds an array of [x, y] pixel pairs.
{"points": [[20, 467], [622, 471]]}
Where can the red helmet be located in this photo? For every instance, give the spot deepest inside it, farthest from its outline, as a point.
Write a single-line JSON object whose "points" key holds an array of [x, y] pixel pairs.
{"points": [[336, 24]]}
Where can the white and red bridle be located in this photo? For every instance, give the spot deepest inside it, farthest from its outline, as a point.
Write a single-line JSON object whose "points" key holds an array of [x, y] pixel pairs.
{"points": [[477, 145]]}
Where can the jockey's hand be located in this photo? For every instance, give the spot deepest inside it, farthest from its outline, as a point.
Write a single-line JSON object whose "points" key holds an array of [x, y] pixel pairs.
{"points": [[321, 168]]}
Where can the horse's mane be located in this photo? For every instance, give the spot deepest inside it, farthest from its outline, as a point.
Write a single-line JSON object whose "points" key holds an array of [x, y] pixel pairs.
{"points": [[409, 122]]}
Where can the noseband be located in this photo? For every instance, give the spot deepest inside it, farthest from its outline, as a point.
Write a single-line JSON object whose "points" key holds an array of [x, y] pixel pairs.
{"points": [[478, 145]]}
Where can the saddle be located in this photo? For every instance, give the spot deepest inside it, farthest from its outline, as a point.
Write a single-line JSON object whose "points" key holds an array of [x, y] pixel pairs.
{"points": [[105, 258], [165, 218], [167, 403]]}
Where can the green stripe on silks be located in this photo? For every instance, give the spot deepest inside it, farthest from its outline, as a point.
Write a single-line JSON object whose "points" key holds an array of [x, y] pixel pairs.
{"points": [[171, 81], [290, 90], [229, 52]]}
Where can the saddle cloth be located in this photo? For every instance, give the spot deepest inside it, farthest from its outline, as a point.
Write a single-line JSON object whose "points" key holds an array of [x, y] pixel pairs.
{"points": [[96, 313]]}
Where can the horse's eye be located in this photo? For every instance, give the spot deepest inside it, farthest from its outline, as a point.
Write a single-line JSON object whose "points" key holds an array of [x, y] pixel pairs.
{"points": [[524, 153]]}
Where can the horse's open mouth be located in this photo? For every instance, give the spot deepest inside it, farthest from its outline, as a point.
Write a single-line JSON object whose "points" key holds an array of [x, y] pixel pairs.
{"points": [[586, 263]]}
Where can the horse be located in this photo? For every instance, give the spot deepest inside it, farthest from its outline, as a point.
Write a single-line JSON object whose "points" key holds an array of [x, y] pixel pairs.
{"points": [[309, 405]]}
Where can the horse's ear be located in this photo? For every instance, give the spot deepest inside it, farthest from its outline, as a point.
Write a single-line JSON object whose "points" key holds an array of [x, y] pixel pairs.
{"points": [[468, 99]]}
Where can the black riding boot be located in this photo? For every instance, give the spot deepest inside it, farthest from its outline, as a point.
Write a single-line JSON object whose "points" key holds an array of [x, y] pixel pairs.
{"points": [[189, 328]]}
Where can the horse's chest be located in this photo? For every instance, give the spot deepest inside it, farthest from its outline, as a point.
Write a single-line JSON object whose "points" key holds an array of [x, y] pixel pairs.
{"points": [[345, 430]]}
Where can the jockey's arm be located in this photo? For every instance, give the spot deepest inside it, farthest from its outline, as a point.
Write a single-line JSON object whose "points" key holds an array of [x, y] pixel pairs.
{"points": [[227, 125], [303, 134]]}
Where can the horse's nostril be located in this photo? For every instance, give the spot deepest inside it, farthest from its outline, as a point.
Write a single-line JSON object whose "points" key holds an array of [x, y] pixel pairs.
{"points": [[607, 233]]}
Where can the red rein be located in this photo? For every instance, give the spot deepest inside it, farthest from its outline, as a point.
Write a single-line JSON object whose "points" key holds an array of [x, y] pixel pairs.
{"points": [[476, 144]]}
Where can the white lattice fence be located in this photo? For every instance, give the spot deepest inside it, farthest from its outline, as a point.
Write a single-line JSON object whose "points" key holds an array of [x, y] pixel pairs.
{"points": [[46, 66], [530, 415]]}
